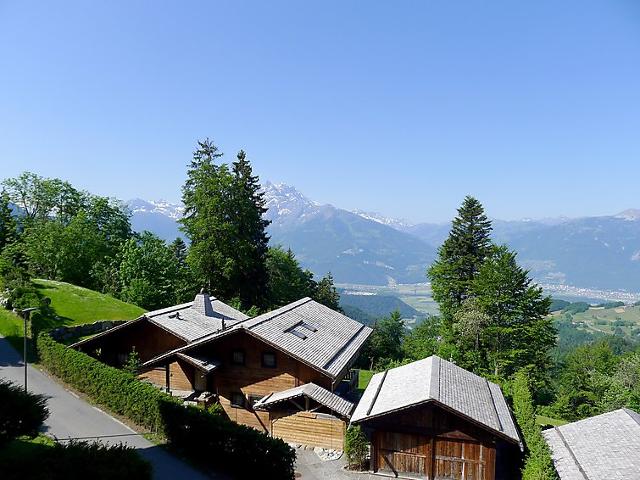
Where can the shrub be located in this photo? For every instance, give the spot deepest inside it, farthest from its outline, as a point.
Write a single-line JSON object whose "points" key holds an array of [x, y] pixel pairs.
{"points": [[209, 439], [538, 463], [117, 390], [21, 413], [356, 448], [71, 461]]}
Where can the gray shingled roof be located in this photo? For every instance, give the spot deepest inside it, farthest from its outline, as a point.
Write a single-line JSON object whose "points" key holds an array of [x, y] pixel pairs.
{"points": [[188, 321], [320, 395], [317, 335], [436, 380], [606, 446], [203, 363]]}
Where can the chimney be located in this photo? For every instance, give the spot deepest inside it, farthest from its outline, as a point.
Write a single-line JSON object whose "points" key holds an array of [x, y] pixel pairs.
{"points": [[202, 304]]}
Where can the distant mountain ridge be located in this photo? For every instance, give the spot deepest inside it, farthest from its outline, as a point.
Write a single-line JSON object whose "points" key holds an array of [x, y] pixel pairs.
{"points": [[369, 248]]}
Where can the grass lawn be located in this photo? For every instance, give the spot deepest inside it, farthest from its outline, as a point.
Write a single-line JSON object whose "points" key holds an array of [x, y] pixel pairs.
{"points": [[77, 305], [548, 421], [72, 305], [364, 378]]}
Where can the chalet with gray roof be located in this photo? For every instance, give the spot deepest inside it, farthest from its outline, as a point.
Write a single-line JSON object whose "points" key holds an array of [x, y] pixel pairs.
{"points": [[283, 372], [606, 446], [433, 419]]}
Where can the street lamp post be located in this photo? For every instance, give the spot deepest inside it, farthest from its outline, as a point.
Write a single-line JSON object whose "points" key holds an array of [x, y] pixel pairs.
{"points": [[26, 313]]}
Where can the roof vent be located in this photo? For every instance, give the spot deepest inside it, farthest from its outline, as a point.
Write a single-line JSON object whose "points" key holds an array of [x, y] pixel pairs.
{"points": [[202, 304]]}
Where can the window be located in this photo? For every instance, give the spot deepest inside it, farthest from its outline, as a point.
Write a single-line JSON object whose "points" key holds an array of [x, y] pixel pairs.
{"points": [[237, 400], [308, 326], [269, 359], [237, 358]]}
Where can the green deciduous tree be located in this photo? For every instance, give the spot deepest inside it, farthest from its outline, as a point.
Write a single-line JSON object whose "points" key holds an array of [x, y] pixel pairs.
{"points": [[423, 340], [385, 343], [8, 227], [288, 282]]}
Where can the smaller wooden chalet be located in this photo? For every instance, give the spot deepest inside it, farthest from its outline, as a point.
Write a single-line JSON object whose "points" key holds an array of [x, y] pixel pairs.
{"points": [[279, 372], [606, 446], [162, 330], [432, 419]]}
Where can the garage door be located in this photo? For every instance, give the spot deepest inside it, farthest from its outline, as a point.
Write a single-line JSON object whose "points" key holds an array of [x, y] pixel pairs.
{"points": [[411, 455], [403, 453]]}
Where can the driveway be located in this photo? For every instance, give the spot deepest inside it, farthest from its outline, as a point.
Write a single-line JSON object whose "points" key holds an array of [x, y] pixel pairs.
{"points": [[310, 467], [72, 417]]}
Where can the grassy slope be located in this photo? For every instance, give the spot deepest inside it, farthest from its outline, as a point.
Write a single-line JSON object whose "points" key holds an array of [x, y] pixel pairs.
{"points": [[77, 305], [73, 306]]}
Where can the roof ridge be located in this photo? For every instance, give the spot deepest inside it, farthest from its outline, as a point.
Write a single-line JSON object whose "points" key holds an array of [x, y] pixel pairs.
{"points": [[434, 381], [566, 445], [375, 396], [634, 415], [343, 348], [493, 404]]}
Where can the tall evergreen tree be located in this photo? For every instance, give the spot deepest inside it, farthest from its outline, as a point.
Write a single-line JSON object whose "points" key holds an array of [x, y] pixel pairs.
{"points": [[519, 332], [8, 227], [252, 241], [223, 220], [326, 293], [459, 260]]}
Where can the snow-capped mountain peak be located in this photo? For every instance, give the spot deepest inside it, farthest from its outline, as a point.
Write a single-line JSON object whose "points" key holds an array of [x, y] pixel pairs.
{"points": [[283, 200], [397, 223], [168, 209], [631, 215]]}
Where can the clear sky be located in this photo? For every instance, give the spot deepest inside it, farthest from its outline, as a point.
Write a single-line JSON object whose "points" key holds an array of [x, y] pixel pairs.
{"points": [[393, 106]]}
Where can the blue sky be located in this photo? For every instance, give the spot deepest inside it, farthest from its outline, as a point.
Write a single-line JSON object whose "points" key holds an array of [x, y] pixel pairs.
{"points": [[398, 107]]}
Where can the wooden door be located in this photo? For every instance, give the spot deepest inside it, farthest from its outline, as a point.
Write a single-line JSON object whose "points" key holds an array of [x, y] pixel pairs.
{"points": [[462, 460], [403, 453]]}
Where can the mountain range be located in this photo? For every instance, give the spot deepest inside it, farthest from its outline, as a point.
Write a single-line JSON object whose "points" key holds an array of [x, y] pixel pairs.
{"points": [[368, 248]]}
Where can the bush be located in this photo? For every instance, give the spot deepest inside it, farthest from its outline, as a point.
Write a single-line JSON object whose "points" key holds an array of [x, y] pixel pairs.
{"points": [[209, 439], [119, 391], [71, 461], [21, 413], [356, 448], [538, 464]]}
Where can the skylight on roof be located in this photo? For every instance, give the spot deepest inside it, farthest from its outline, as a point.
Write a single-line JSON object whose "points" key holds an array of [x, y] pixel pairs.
{"points": [[298, 333], [302, 329], [308, 326]]}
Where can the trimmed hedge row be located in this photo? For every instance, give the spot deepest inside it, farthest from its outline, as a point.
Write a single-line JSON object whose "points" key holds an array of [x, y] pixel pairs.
{"points": [[210, 439], [72, 461], [117, 390], [207, 438], [538, 464]]}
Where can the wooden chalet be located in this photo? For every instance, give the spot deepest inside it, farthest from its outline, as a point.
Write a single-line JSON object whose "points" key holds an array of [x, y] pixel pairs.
{"points": [[604, 446], [162, 330], [432, 419], [280, 372]]}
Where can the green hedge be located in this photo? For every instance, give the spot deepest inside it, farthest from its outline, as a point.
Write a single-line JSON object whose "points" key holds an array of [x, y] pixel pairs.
{"points": [[211, 439], [117, 390], [207, 438], [71, 461], [538, 464]]}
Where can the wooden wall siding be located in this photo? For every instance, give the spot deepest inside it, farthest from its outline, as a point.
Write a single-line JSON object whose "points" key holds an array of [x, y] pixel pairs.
{"points": [[148, 339], [157, 376], [432, 443], [252, 378], [181, 376], [307, 428]]}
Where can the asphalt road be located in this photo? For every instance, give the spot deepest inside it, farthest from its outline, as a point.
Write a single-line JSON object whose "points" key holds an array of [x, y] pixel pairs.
{"points": [[72, 417]]}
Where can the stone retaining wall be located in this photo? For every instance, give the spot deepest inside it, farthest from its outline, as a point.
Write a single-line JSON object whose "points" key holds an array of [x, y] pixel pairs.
{"points": [[61, 334]]}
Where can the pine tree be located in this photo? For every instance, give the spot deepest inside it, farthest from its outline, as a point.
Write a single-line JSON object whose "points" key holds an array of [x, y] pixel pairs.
{"points": [[459, 259], [207, 220], [252, 241], [8, 228], [223, 219], [519, 333], [326, 293]]}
